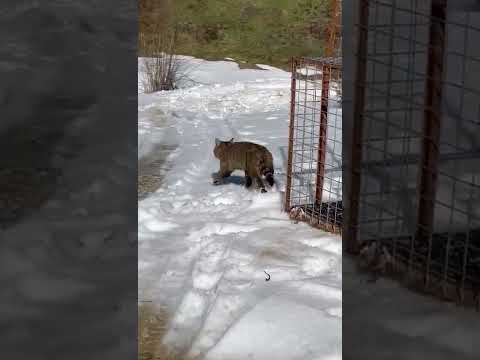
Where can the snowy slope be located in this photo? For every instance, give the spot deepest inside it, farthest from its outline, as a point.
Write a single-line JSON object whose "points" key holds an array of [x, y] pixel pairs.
{"points": [[203, 249]]}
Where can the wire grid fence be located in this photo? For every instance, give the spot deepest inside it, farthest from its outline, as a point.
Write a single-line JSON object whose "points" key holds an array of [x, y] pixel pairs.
{"points": [[314, 174], [415, 160]]}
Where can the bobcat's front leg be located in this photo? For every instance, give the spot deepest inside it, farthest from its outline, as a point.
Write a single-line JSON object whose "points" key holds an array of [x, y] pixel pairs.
{"points": [[221, 175], [248, 180]]}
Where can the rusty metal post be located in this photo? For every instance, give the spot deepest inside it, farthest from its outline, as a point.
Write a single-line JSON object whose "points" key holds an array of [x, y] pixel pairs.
{"points": [[351, 224], [431, 127], [322, 140], [293, 85], [333, 29]]}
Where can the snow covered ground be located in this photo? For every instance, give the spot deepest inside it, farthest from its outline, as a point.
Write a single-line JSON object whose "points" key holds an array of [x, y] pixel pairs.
{"points": [[203, 249]]}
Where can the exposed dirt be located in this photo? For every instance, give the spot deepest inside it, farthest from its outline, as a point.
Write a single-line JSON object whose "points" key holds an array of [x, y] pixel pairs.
{"points": [[152, 326], [152, 169]]}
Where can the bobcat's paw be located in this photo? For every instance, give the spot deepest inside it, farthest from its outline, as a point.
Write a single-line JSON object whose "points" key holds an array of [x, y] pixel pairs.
{"points": [[263, 191]]}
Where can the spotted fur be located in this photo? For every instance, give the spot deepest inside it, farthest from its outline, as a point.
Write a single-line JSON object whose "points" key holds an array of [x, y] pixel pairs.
{"points": [[254, 159]]}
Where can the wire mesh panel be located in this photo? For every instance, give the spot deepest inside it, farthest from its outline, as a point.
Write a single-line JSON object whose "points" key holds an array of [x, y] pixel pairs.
{"points": [[415, 159], [314, 176]]}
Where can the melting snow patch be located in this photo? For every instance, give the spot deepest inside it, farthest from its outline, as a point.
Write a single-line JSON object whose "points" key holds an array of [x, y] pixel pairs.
{"points": [[159, 226], [224, 201], [318, 265]]}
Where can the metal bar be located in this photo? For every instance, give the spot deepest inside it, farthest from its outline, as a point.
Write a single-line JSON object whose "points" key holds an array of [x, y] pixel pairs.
{"points": [[408, 100], [290, 136], [471, 193], [385, 182], [322, 141], [412, 61], [421, 43], [428, 15], [356, 154], [397, 25], [401, 160], [431, 129], [332, 29], [428, 76]]}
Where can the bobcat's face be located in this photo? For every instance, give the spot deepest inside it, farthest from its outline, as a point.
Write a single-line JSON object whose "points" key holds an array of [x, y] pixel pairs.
{"points": [[221, 148]]}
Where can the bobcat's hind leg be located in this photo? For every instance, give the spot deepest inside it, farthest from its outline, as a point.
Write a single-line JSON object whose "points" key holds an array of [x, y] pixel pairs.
{"points": [[269, 178], [258, 175], [261, 184]]}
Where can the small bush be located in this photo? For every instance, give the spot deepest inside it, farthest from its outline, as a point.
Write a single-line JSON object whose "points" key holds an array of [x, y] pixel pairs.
{"points": [[162, 68]]}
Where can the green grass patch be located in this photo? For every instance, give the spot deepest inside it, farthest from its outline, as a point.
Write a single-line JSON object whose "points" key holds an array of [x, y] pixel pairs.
{"points": [[251, 31]]}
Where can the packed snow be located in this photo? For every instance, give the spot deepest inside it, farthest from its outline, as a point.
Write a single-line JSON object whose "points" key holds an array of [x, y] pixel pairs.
{"points": [[204, 250]]}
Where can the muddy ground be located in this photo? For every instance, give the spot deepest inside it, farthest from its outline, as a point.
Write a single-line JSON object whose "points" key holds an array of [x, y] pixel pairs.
{"points": [[152, 169]]}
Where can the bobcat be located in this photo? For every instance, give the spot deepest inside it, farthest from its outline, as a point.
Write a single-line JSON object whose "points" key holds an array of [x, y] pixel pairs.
{"points": [[375, 258], [252, 158]]}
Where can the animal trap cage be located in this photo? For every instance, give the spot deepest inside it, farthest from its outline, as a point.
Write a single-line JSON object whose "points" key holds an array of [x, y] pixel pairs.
{"points": [[415, 169], [314, 170]]}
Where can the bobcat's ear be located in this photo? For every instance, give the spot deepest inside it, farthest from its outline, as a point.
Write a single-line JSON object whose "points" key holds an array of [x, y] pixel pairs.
{"points": [[217, 142], [231, 140]]}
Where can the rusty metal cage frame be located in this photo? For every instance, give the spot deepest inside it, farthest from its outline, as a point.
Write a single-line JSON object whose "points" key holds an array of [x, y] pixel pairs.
{"points": [[440, 256], [314, 171]]}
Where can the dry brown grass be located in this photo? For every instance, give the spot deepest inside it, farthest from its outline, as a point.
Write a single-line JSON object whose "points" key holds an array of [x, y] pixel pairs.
{"points": [[276, 254], [152, 326], [152, 13]]}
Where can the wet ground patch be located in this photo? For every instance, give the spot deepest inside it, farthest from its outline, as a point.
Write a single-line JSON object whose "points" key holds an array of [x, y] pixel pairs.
{"points": [[152, 169], [152, 327]]}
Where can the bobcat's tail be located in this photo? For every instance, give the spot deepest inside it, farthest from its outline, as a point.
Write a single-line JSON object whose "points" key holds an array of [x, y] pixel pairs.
{"points": [[265, 168]]}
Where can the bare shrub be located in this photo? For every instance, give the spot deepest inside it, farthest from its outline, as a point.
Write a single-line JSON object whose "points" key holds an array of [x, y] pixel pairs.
{"points": [[162, 68]]}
